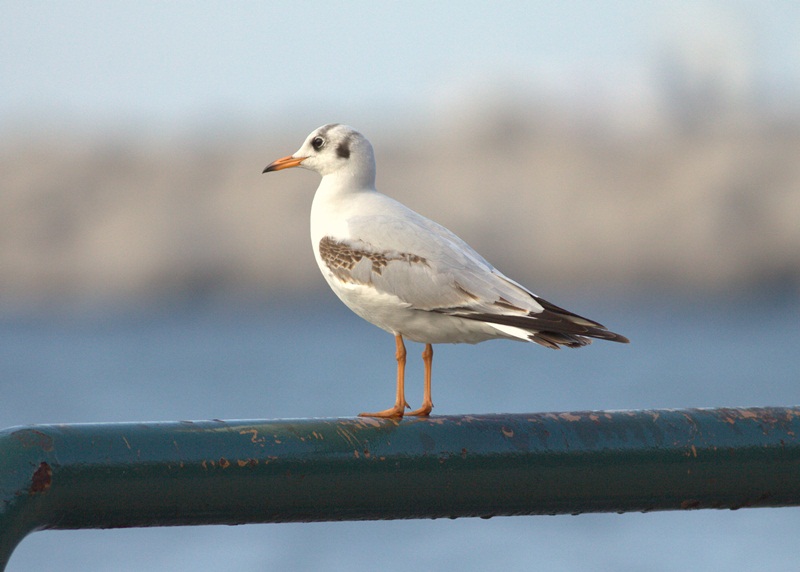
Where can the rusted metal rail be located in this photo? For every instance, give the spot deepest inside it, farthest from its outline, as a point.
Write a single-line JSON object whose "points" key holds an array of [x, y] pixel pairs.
{"points": [[234, 472]]}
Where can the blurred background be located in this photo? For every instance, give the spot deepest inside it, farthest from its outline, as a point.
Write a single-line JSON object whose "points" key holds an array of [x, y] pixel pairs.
{"points": [[635, 162]]}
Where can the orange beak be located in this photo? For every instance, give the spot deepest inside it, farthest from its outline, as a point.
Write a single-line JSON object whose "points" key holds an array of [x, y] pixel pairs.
{"points": [[283, 163]]}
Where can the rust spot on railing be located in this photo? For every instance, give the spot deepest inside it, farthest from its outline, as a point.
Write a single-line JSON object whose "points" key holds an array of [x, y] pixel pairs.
{"points": [[42, 478], [33, 438]]}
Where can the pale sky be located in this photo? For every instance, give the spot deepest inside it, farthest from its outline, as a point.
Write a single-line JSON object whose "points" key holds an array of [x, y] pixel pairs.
{"points": [[100, 64]]}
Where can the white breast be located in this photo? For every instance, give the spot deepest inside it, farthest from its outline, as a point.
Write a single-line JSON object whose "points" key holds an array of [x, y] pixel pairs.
{"points": [[330, 212]]}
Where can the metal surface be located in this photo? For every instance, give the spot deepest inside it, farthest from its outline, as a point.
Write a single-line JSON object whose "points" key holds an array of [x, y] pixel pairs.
{"points": [[231, 472]]}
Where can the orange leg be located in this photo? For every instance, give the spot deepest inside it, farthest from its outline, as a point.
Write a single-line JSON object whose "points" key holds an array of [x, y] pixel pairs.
{"points": [[427, 404], [400, 400]]}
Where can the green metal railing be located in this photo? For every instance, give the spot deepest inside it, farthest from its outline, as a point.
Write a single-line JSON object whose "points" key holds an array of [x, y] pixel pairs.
{"points": [[234, 472]]}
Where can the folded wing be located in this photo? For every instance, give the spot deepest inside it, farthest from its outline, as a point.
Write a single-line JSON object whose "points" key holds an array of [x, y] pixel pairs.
{"points": [[436, 271]]}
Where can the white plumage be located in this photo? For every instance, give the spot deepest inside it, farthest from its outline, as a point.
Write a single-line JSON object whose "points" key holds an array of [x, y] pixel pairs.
{"points": [[409, 275]]}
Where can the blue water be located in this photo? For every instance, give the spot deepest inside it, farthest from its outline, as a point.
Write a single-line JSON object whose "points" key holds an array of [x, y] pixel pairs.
{"points": [[317, 360]]}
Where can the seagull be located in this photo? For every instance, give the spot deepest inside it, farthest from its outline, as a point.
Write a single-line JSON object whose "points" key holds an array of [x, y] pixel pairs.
{"points": [[411, 276]]}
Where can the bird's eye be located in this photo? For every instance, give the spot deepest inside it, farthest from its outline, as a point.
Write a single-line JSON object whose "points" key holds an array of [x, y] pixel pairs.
{"points": [[317, 143]]}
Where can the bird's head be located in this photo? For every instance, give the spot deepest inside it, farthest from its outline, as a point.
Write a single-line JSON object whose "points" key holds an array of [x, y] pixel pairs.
{"points": [[333, 149]]}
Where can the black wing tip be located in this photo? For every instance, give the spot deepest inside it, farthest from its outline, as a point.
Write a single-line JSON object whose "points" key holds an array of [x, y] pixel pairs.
{"points": [[619, 338], [607, 336], [557, 340], [593, 329]]}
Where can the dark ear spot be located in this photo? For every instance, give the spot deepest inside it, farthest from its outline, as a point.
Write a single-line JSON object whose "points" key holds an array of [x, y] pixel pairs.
{"points": [[343, 150]]}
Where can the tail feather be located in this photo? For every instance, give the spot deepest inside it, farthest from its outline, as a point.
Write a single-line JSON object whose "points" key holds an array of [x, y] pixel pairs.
{"points": [[554, 340], [553, 327]]}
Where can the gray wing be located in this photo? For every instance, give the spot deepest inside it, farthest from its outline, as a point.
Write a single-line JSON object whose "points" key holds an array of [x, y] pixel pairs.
{"points": [[431, 269], [425, 265]]}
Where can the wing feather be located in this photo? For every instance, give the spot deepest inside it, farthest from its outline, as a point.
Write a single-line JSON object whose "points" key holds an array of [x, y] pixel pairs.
{"points": [[429, 268]]}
